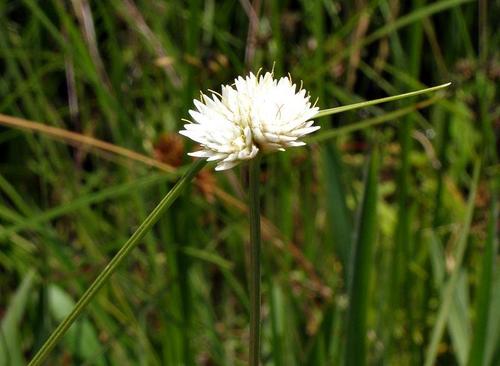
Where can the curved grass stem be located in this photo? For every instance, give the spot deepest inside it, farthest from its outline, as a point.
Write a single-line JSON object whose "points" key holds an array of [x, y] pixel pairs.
{"points": [[104, 276]]}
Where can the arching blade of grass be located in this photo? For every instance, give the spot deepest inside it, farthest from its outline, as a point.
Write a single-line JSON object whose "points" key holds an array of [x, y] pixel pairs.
{"points": [[104, 276], [449, 288], [361, 267], [344, 108], [484, 293], [369, 122]]}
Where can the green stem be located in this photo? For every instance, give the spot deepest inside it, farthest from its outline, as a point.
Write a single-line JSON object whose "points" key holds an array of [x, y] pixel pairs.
{"points": [[255, 240], [330, 111], [104, 276], [356, 126]]}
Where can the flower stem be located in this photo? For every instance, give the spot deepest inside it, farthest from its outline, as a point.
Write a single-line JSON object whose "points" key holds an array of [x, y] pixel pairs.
{"points": [[255, 239], [104, 276]]}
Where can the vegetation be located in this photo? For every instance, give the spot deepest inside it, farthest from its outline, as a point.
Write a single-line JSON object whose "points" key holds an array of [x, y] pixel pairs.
{"points": [[380, 238]]}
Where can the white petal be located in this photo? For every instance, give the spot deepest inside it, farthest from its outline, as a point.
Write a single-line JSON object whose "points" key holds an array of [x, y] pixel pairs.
{"points": [[296, 143], [225, 165], [201, 154]]}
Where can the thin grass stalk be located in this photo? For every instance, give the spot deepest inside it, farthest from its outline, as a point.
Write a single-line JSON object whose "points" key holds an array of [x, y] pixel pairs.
{"points": [[361, 268], [255, 243], [104, 276], [344, 108], [478, 351]]}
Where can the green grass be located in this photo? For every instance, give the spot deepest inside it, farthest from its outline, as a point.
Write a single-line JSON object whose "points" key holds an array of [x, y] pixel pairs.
{"points": [[380, 240]]}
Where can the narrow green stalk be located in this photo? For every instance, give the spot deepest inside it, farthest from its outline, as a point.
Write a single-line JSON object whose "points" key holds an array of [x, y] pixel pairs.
{"points": [[477, 355], [363, 124], [361, 268], [104, 276], [254, 204], [330, 111]]}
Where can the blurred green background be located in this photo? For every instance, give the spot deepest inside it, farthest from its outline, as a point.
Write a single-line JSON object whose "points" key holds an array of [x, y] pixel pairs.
{"points": [[380, 237]]}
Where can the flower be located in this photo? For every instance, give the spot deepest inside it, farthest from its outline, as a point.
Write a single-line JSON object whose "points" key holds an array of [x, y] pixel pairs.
{"points": [[256, 113]]}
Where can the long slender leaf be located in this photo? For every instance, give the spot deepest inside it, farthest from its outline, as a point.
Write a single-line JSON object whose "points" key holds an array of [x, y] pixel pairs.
{"points": [[362, 268], [330, 111], [484, 293]]}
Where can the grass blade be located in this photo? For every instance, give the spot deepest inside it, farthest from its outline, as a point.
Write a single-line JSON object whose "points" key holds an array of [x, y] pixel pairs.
{"points": [[355, 353], [344, 108], [369, 122], [340, 217], [478, 349]]}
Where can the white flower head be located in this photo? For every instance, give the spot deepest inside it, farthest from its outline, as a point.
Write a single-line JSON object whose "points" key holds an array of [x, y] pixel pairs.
{"points": [[256, 113]]}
